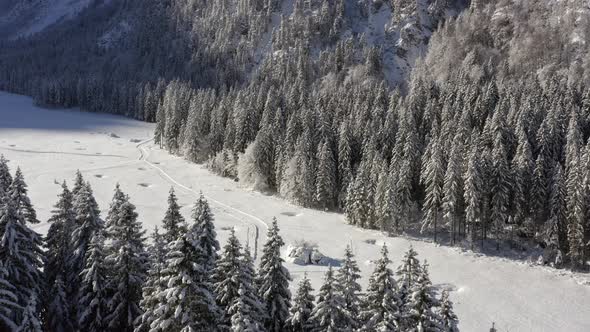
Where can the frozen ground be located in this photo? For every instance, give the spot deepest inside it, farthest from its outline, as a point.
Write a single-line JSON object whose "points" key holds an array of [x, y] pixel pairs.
{"points": [[49, 145]]}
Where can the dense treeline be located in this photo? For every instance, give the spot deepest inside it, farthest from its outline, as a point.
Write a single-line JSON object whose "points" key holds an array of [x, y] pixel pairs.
{"points": [[486, 142], [94, 274]]}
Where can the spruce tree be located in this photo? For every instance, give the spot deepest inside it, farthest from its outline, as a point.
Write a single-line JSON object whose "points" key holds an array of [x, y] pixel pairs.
{"points": [[452, 201], [22, 257], [18, 194], [58, 316], [330, 314], [473, 194], [8, 302], [78, 184], [349, 288], [273, 281], [381, 304], [418, 310], [204, 231], [303, 305], [408, 273], [500, 187], [58, 260], [227, 275], [128, 262], [154, 284], [433, 180], [187, 303], [242, 319], [30, 317], [88, 222], [448, 319], [174, 224], [5, 177], [326, 185], [92, 302]]}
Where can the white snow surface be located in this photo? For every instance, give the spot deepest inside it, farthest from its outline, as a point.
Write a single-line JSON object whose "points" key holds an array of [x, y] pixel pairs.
{"points": [[49, 145]]}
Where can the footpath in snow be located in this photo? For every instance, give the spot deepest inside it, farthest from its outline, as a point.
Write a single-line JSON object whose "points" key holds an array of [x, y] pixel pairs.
{"points": [[50, 145]]}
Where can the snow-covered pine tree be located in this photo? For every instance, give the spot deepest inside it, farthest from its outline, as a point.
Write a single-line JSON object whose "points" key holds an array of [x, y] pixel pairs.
{"points": [[500, 187], [227, 275], [78, 184], [58, 255], [452, 202], [243, 317], [408, 273], [358, 204], [345, 172], [187, 303], [348, 275], [326, 185], [273, 281], [418, 310], [88, 222], [21, 255], [555, 230], [5, 177], [92, 302], [174, 224], [58, 316], [576, 216], [330, 313], [204, 231], [433, 180], [154, 284], [473, 194], [128, 264], [248, 284], [448, 319], [302, 307], [114, 208], [18, 193], [384, 199], [381, 305], [30, 316], [8, 302]]}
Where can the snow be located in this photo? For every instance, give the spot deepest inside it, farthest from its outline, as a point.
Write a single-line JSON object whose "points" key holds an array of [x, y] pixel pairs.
{"points": [[50, 145]]}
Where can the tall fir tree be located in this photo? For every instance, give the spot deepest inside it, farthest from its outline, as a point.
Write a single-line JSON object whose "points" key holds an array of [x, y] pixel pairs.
{"points": [[227, 275], [448, 318], [8, 302], [273, 281], [419, 314], [348, 275], [302, 307], [128, 264], [92, 302], [5, 176], [330, 313], [204, 229], [174, 224], [187, 303], [381, 304], [18, 192]]}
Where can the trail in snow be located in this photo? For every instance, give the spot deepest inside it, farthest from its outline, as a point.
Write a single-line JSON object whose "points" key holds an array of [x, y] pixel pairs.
{"points": [[143, 157], [62, 152]]}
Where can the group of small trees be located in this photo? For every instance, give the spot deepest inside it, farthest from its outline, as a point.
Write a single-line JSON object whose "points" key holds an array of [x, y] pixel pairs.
{"points": [[102, 275]]}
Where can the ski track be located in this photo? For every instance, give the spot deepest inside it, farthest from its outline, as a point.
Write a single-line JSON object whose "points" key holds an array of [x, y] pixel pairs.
{"points": [[62, 152], [143, 157]]}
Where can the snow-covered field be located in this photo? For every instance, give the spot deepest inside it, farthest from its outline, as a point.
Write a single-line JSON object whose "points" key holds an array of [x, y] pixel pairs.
{"points": [[49, 145]]}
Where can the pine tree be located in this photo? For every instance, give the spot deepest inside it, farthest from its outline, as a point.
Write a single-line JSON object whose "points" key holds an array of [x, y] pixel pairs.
{"points": [[556, 226], [5, 177], [92, 303], [242, 319], [418, 310], [58, 309], [128, 262], [174, 223], [384, 200], [381, 311], [448, 319], [473, 195], [154, 284], [330, 314], [227, 275], [303, 305], [21, 255], [500, 187], [349, 288], [8, 302], [58, 263], [273, 281], [452, 202], [188, 302], [78, 184], [248, 284], [30, 317], [113, 215], [88, 222], [18, 193], [408, 273], [325, 181], [205, 232], [433, 180]]}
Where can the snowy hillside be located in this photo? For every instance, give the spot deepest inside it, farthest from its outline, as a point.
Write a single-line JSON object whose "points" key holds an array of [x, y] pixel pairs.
{"points": [[20, 18], [108, 149]]}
